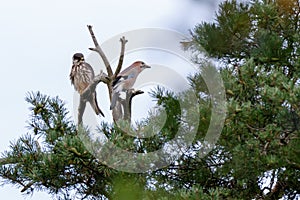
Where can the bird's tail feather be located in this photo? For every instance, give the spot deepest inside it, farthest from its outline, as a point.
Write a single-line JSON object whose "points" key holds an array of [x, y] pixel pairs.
{"points": [[114, 100]]}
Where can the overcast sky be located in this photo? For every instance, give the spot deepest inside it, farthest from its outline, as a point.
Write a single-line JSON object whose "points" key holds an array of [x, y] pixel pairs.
{"points": [[38, 39]]}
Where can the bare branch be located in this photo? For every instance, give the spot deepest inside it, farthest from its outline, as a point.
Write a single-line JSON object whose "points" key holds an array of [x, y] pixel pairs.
{"points": [[100, 51], [125, 113], [102, 77], [121, 58], [26, 187], [93, 49], [117, 112], [123, 108], [266, 146], [132, 93]]}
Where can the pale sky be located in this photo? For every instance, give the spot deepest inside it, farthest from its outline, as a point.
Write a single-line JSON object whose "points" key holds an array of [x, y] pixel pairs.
{"points": [[38, 39]]}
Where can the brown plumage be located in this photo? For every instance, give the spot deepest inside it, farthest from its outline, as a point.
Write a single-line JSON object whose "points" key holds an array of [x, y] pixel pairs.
{"points": [[82, 74]]}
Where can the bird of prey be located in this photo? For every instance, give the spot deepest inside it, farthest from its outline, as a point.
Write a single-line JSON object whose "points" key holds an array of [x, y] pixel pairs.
{"points": [[82, 74], [126, 79]]}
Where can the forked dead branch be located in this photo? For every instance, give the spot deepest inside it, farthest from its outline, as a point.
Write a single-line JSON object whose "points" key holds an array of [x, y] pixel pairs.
{"points": [[122, 110]]}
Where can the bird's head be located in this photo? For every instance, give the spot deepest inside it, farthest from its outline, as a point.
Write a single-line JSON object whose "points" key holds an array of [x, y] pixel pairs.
{"points": [[77, 57], [140, 65]]}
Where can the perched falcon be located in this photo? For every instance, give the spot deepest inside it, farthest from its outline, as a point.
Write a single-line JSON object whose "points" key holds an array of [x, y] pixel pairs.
{"points": [[82, 74], [126, 79]]}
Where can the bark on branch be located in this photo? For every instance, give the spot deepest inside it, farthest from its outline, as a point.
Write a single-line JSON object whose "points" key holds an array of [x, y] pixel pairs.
{"points": [[121, 58], [100, 51], [122, 110]]}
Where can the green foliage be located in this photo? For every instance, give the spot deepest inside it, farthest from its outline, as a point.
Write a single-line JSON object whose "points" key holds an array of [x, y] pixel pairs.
{"points": [[261, 122], [244, 31], [261, 77], [227, 37], [52, 157]]}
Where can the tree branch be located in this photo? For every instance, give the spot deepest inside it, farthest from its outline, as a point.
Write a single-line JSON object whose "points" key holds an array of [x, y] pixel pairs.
{"points": [[121, 58], [100, 51], [26, 187], [131, 94], [102, 77], [123, 108], [125, 113]]}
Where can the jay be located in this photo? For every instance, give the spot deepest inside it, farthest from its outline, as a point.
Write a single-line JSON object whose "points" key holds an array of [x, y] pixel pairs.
{"points": [[126, 79], [82, 74]]}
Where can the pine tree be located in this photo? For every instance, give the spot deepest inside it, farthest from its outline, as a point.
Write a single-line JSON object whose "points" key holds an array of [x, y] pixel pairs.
{"points": [[257, 44], [257, 155]]}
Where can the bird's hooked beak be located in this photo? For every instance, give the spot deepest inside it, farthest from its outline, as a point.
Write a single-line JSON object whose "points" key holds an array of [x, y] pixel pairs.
{"points": [[146, 66], [78, 60]]}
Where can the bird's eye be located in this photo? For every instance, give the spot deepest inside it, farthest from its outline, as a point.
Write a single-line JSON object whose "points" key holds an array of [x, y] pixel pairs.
{"points": [[142, 63]]}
